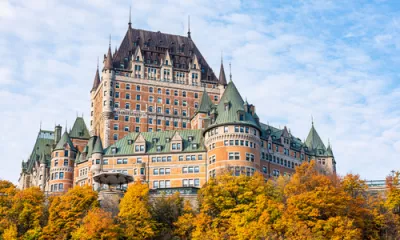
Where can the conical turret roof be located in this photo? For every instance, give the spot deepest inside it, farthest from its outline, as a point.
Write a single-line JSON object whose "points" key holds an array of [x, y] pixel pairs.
{"points": [[108, 65], [64, 140], [96, 81], [98, 147], [206, 103], [222, 77], [230, 107], [329, 151], [313, 141]]}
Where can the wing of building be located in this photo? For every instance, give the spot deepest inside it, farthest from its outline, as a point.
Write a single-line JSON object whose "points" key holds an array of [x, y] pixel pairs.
{"points": [[160, 115]]}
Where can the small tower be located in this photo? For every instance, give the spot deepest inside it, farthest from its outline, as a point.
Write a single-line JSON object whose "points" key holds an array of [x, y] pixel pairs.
{"points": [[97, 159], [201, 117], [96, 84], [108, 75], [222, 78], [62, 165]]}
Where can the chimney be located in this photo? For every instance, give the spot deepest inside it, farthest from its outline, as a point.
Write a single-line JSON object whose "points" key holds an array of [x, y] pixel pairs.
{"points": [[57, 134]]}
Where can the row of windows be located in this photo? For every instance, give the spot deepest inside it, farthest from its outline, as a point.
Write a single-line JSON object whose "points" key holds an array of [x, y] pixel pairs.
{"points": [[191, 182], [285, 151], [138, 106], [65, 153], [240, 170], [239, 143], [66, 162], [161, 159], [191, 169], [241, 129], [161, 171], [57, 175], [159, 90], [57, 187], [162, 184], [278, 160], [83, 172], [191, 157]]}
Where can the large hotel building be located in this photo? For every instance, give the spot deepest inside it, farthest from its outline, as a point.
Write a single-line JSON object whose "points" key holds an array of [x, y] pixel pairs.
{"points": [[160, 114]]}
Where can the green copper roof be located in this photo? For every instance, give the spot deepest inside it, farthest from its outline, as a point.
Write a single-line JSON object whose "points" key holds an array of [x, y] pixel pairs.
{"points": [[98, 147], [229, 107], [314, 142], [64, 140], [77, 158], [206, 103], [79, 130], [154, 139], [329, 151], [43, 145]]}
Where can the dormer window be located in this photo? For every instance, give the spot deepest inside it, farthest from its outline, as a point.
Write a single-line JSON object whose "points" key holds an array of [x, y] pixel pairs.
{"points": [[137, 58], [194, 145], [130, 141], [166, 62], [113, 150], [176, 146], [159, 148], [155, 140], [226, 106], [167, 140], [190, 138], [241, 117]]}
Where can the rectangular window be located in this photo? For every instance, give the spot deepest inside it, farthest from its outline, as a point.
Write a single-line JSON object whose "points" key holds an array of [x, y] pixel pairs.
{"points": [[155, 184], [155, 171], [200, 157], [168, 171], [167, 183], [105, 161], [119, 161], [61, 176], [66, 162], [184, 170], [196, 169], [197, 182]]}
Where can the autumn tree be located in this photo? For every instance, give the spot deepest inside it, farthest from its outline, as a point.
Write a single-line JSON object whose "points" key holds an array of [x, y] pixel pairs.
{"points": [[67, 211], [97, 224], [7, 192], [184, 224], [134, 215], [165, 211], [237, 207]]}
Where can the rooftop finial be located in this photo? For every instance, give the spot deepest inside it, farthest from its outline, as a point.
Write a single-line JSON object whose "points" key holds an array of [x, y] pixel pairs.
{"points": [[130, 13], [189, 27], [97, 62], [66, 125], [222, 56], [312, 120], [230, 72], [40, 126], [109, 42]]}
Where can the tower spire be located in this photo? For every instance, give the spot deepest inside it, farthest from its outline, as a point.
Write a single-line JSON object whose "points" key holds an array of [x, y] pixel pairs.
{"points": [[130, 17], [189, 27], [230, 72]]}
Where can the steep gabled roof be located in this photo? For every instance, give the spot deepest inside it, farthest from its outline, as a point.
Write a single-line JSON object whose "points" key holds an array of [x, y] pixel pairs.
{"points": [[313, 141], [79, 130], [63, 141], [234, 102], [153, 46], [206, 103], [43, 145]]}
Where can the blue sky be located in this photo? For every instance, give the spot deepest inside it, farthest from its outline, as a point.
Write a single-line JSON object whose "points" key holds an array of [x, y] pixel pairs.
{"points": [[334, 60]]}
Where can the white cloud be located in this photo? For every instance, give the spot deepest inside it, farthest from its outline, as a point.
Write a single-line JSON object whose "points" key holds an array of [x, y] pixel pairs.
{"points": [[291, 61]]}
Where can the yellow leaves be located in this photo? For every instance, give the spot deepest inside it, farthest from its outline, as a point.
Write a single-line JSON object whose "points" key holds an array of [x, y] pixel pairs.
{"points": [[135, 214], [10, 233], [67, 211], [97, 224]]}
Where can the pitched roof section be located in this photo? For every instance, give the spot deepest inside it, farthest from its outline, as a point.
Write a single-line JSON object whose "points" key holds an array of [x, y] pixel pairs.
{"points": [[43, 145], [229, 107], [79, 130], [222, 77], [313, 141], [98, 147], [206, 103], [125, 146], [154, 45], [63, 141], [96, 81]]}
